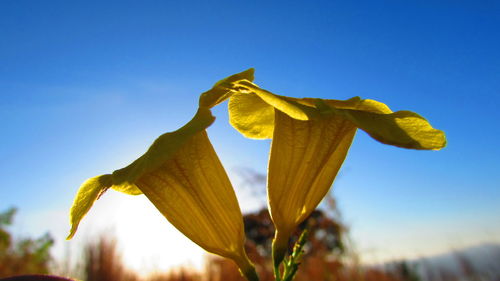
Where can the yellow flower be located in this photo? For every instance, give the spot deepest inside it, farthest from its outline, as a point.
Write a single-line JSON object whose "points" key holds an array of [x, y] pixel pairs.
{"points": [[310, 140], [183, 177]]}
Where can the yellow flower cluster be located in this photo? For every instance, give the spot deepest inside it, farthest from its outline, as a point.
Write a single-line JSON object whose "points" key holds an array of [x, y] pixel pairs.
{"points": [[183, 177]]}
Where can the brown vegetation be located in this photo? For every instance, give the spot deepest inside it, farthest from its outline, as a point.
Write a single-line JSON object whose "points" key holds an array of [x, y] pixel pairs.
{"points": [[326, 259], [315, 267], [23, 256]]}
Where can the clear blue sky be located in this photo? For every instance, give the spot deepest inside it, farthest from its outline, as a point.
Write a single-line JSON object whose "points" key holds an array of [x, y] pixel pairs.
{"points": [[86, 86]]}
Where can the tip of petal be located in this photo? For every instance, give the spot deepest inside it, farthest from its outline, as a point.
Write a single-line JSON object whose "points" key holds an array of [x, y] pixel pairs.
{"points": [[404, 129], [88, 193], [72, 232], [440, 141], [221, 90]]}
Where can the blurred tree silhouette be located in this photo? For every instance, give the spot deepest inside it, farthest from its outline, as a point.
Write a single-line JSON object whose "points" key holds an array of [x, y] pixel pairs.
{"points": [[325, 234], [326, 231], [103, 262], [25, 256], [323, 251]]}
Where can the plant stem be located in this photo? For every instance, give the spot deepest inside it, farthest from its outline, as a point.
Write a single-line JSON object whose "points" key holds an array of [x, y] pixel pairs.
{"points": [[277, 273]]}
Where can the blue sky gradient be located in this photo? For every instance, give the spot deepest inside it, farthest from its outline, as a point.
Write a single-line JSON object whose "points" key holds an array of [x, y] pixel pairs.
{"points": [[86, 86]]}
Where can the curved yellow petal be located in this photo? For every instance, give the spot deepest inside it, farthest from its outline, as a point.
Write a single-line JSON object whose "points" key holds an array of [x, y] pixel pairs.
{"points": [[251, 116], [87, 194], [351, 103], [359, 104], [127, 188], [194, 193], [162, 149], [373, 106], [182, 176], [304, 160], [224, 88], [251, 110], [402, 128], [310, 140], [123, 180], [219, 93], [290, 106]]}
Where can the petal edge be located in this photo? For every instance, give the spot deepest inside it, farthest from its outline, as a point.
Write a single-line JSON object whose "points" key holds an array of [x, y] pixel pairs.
{"points": [[87, 194], [404, 129]]}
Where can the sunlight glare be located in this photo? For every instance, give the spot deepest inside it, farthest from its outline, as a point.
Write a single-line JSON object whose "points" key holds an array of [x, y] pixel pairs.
{"points": [[148, 241]]}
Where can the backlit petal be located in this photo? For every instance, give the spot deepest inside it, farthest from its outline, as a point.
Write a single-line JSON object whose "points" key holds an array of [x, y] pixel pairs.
{"points": [[194, 193], [310, 140], [127, 188], [251, 116], [305, 158], [162, 149], [291, 106], [183, 177], [223, 89], [402, 128], [251, 111], [124, 179], [87, 194]]}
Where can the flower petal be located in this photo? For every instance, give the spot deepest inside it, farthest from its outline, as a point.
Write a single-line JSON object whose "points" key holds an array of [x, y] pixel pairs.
{"points": [[373, 106], [130, 189], [353, 103], [224, 88], [183, 177], [406, 129], [123, 180], [290, 106], [251, 110], [87, 194], [194, 193], [163, 148], [402, 128], [251, 116], [305, 158]]}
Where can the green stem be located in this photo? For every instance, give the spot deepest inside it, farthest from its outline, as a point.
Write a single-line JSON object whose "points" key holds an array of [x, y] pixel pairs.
{"points": [[277, 273], [280, 248], [291, 264]]}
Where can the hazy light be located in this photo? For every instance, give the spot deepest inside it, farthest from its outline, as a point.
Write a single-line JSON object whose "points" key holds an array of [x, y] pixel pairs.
{"points": [[147, 242], [150, 242]]}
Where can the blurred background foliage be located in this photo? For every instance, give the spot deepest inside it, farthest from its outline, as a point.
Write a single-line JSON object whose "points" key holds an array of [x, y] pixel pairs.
{"points": [[22, 256], [329, 256]]}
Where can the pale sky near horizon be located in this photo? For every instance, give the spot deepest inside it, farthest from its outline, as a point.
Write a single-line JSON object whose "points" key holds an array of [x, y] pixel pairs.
{"points": [[86, 86]]}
